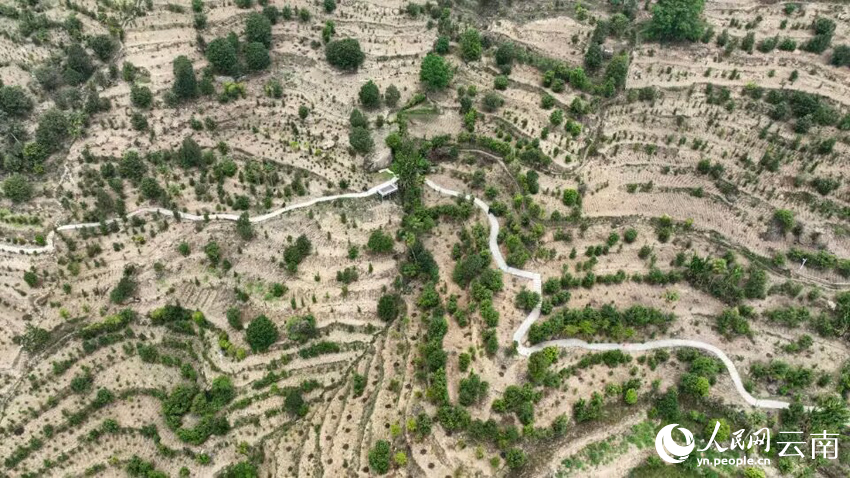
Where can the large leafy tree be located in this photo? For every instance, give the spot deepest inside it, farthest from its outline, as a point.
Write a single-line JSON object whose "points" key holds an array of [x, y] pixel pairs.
{"points": [[677, 20], [593, 56], [617, 70], [14, 101], [189, 155], [470, 45], [52, 129], [103, 45], [389, 307], [17, 188], [379, 457], [370, 95], [221, 53], [360, 140], [78, 65], [244, 228], [258, 28], [435, 72], [261, 333], [257, 56], [185, 83], [391, 96], [345, 54]]}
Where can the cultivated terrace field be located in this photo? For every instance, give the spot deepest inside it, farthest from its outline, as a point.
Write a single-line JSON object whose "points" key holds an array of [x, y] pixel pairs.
{"points": [[610, 216]]}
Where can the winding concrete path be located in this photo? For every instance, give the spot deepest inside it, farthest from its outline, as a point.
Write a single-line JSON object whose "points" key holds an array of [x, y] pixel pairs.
{"points": [[536, 286], [534, 277], [49, 246]]}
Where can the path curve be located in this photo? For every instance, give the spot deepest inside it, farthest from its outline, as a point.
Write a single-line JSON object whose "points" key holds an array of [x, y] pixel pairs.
{"points": [[536, 286], [49, 246], [534, 277]]}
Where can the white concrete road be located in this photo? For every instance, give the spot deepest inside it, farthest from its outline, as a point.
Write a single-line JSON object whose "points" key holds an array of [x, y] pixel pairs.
{"points": [[536, 283], [536, 286]]}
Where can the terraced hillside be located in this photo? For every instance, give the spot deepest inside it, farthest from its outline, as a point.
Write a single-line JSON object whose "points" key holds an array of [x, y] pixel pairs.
{"points": [[596, 219]]}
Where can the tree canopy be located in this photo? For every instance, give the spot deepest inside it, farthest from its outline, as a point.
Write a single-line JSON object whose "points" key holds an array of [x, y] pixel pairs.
{"points": [[345, 54], [258, 28], [257, 56], [17, 188], [470, 45], [677, 20], [391, 96], [261, 333], [435, 72], [185, 83], [370, 95], [221, 54]]}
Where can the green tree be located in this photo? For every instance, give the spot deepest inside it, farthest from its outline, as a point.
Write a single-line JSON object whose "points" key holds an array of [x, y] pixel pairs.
{"points": [[244, 228], [515, 458], [723, 433], [753, 472], [593, 56], [261, 333], [78, 65], [784, 219], [391, 96], [213, 252], [435, 72], [345, 54], [695, 385], [330, 6], [141, 96], [370, 95], [234, 318], [303, 112], [379, 457], [122, 291], [272, 13], [360, 140], [150, 189], [471, 390], [492, 101], [14, 101], [132, 166], [242, 469], [184, 249], [257, 56], [677, 20], [617, 70], [103, 46], [258, 28], [631, 396], [470, 45], [505, 54], [31, 278], [357, 119], [221, 53], [17, 188], [328, 31], [185, 83], [442, 45], [189, 155], [379, 243], [301, 329], [841, 55], [52, 129], [389, 306]]}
